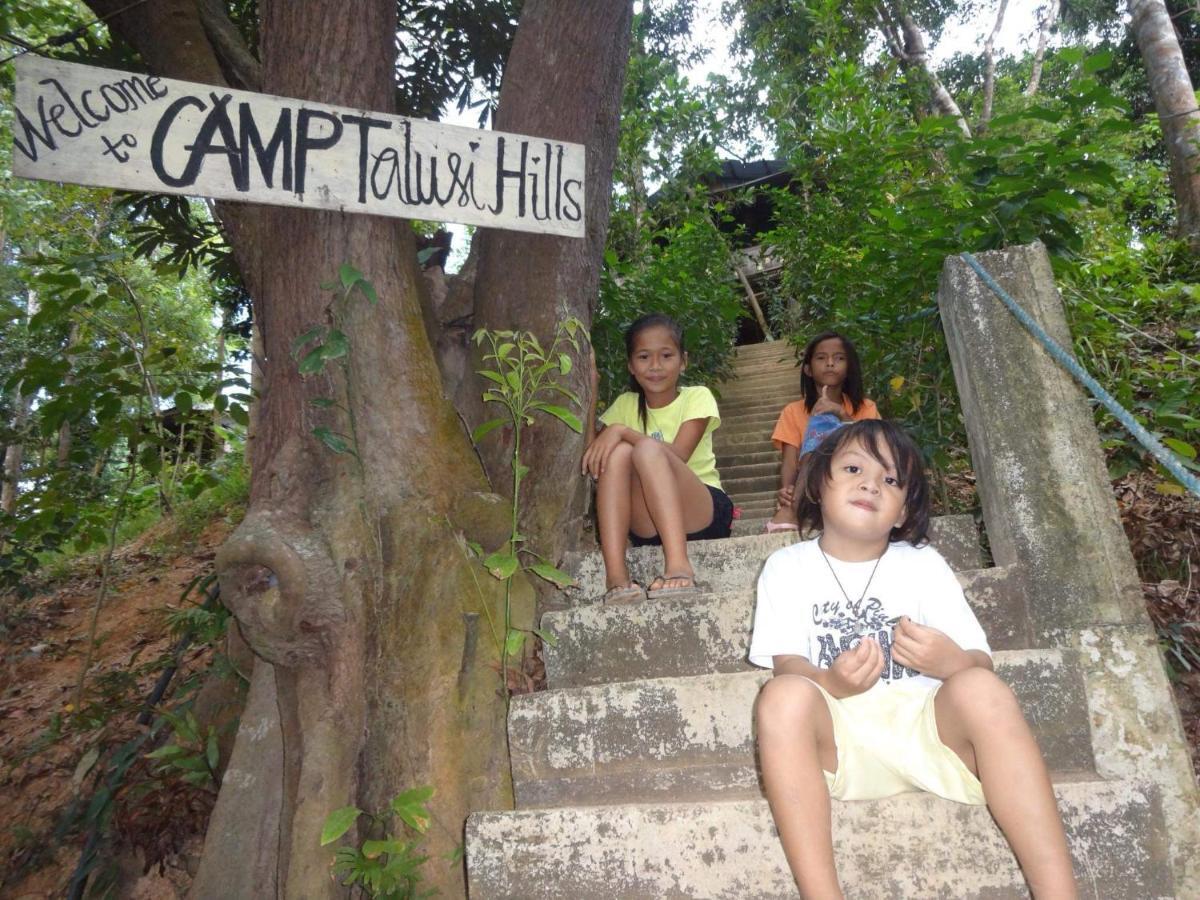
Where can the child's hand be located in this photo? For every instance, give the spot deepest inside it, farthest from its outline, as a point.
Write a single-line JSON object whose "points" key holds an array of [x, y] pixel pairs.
{"points": [[785, 496], [825, 405], [595, 457], [854, 671], [929, 651]]}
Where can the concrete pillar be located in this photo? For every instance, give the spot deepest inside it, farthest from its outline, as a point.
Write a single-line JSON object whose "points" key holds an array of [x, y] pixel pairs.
{"points": [[1049, 509], [1039, 469]]}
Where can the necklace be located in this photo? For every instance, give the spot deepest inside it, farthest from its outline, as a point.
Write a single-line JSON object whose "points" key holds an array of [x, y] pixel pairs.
{"points": [[866, 587]]}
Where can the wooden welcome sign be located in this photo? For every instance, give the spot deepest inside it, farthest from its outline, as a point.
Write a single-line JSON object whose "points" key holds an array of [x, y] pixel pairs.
{"points": [[141, 133]]}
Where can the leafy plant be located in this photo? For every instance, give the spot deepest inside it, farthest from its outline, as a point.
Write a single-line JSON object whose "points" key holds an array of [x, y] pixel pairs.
{"points": [[193, 756], [327, 343], [523, 376], [386, 866]]}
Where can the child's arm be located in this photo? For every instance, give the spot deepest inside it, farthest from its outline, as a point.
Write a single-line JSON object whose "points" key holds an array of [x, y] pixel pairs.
{"points": [[932, 652], [853, 672], [787, 474]]}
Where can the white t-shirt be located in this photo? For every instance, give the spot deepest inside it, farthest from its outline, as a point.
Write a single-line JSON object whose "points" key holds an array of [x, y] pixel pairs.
{"points": [[801, 611]]}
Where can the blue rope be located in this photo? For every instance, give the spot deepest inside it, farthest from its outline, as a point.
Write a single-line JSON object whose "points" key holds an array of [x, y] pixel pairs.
{"points": [[1170, 462]]}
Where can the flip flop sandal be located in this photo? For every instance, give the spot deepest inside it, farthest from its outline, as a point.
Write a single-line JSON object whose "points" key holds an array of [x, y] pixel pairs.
{"points": [[623, 594], [776, 527], [694, 588]]}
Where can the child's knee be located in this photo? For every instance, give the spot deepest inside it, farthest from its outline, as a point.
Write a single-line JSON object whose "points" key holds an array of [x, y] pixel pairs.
{"points": [[644, 451], [618, 464], [979, 692], [787, 701]]}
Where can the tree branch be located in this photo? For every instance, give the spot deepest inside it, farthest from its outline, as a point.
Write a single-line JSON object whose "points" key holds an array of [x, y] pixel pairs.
{"points": [[1047, 19], [235, 58], [989, 70]]}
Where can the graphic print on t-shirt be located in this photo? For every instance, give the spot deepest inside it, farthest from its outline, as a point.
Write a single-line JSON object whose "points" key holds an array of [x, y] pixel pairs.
{"points": [[839, 625]]}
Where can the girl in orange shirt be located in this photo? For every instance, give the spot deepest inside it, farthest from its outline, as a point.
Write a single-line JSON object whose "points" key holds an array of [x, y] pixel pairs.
{"points": [[831, 378]]}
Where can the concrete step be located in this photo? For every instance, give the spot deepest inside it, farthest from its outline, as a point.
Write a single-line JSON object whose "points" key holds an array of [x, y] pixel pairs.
{"points": [[758, 403], [913, 846], [767, 466], [758, 425], [701, 633], [691, 738], [750, 484], [766, 458], [732, 564], [765, 349], [742, 442]]}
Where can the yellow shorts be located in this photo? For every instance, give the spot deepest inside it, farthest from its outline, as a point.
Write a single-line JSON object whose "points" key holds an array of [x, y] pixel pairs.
{"points": [[887, 743]]}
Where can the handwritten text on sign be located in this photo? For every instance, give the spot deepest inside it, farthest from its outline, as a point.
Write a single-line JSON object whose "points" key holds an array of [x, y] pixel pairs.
{"points": [[137, 132]]}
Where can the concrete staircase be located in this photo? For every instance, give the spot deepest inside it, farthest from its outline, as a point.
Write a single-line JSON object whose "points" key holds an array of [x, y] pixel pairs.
{"points": [[635, 776], [768, 378]]}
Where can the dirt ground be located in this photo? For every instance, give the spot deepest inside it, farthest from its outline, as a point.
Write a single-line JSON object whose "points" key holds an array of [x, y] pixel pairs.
{"points": [[41, 655], [44, 769]]}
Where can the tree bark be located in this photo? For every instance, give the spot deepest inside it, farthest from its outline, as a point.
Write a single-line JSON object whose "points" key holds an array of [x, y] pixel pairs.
{"points": [[14, 453], [989, 69], [346, 577], [1175, 100], [1047, 19], [907, 44], [563, 81]]}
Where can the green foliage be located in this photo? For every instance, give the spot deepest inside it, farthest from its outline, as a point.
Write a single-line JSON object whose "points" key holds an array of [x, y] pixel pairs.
{"points": [[193, 756], [385, 865], [523, 378], [328, 343]]}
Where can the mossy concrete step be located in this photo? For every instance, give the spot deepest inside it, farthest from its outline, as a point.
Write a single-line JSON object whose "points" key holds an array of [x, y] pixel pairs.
{"points": [[913, 846], [697, 634], [690, 738], [732, 564]]}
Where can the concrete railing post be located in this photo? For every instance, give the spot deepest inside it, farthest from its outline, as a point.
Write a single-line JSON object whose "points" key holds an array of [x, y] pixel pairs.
{"points": [[1048, 507], [1038, 465]]}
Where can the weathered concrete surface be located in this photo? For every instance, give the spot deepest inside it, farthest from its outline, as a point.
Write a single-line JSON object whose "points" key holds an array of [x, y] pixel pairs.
{"points": [[1048, 505], [623, 742], [733, 564], [699, 634], [1137, 733], [913, 846], [1038, 465]]}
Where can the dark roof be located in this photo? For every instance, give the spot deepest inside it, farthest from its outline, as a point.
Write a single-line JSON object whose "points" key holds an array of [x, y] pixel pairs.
{"points": [[735, 174]]}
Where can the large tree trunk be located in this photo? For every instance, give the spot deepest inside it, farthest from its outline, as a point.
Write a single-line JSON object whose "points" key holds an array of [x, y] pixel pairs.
{"points": [[563, 81], [373, 670], [1175, 100]]}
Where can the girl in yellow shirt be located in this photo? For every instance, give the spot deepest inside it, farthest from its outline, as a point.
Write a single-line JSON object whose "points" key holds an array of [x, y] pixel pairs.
{"points": [[657, 480]]}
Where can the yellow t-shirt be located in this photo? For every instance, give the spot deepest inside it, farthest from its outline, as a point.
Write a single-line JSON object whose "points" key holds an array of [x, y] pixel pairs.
{"points": [[663, 424]]}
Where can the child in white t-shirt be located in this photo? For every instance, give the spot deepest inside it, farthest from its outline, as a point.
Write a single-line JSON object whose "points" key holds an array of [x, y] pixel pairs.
{"points": [[883, 678]]}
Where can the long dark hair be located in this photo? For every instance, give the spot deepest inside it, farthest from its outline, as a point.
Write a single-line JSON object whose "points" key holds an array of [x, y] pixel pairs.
{"points": [[816, 466], [650, 320], [852, 387]]}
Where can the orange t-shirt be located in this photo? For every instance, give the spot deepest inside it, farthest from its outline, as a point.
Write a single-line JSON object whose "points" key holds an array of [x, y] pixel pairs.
{"points": [[793, 421]]}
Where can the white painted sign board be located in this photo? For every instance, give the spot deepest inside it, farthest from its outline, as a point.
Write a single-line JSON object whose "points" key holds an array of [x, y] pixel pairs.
{"points": [[140, 133]]}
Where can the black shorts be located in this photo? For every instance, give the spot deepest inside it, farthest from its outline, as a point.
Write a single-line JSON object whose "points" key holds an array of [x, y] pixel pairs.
{"points": [[719, 527]]}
